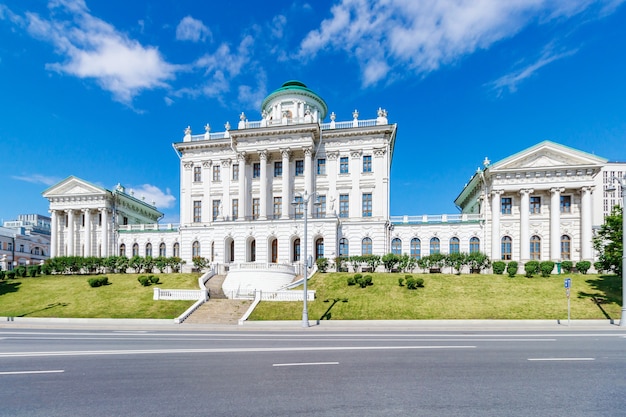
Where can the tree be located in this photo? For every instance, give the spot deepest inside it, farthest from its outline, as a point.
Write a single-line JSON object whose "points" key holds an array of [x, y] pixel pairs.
{"points": [[457, 261], [608, 241]]}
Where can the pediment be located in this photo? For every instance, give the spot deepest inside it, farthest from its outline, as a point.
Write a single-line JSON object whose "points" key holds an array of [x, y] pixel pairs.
{"points": [[547, 155], [73, 186]]}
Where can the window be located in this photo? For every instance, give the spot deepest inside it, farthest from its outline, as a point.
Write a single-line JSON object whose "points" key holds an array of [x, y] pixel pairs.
{"points": [[122, 250], [256, 170], [367, 205], [299, 167], [235, 172], [343, 247], [296, 250], [162, 250], [507, 248], [367, 163], [319, 248], [176, 250], [195, 249], [506, 205], [298, 213], [535, 248], [566, 248], [235, 208], [474, 245], [255, 208], [396, 246], [455, 245], [216, 173], [197, 211], [135, 249], [278, 207], [344, 205], [366, 246], [274, 255], [216, 209], [320, 209], [197, 174], [253, 251], [343, 165], [321, 166], [278, 169], [566, 204], [416, 248], [149, 249], [535, 205], [435, 245]]}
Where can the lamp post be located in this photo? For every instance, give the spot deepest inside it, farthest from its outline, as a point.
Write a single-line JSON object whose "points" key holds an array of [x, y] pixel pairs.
{"points": [[622, 183], [295, 203]]}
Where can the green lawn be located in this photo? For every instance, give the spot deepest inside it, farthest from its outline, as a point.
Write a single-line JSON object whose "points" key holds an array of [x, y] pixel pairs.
{"points": [[446, 296], [71, 296]]}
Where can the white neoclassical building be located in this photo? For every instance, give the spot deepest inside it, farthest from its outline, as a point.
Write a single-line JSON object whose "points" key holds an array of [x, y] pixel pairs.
{"points": [[237, 188]]}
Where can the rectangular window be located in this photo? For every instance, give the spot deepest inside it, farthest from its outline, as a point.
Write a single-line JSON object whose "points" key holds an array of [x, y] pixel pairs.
{"points": [[197, 211], [320, 209], [566, 204], [235, 208], [197, 174], [216, 209], [255, 208], [278, 169], [235, 172], [256, 170], [321, 166], [344, 205], [298, 209], [278, 207], [506, 205], [299, 167], [367, 163], [367, 204], [343, 165], [535, 205], [216, 173]]}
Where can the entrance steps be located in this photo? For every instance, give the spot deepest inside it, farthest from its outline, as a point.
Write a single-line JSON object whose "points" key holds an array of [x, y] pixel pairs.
{"points": [[219, 311]]}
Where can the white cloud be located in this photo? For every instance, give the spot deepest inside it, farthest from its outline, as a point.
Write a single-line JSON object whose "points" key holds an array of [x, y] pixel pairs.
{"points": [[37, 179], [190, 29], [388, 37], [153, 194], [94, 49]]}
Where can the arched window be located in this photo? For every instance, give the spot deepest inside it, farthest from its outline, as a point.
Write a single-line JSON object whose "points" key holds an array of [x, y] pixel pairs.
{"points": [[507, 248], [396, 246], [296, 250], [176, 250], [416, 248], [455, 245], [148, 249], [212, 251], [366, 246], [253, 251], [135, 249], [232, 251], [474, 245], [435, 245], [344, 248], [122, 250], [319, 248], [535, 248], [162, 250], [195, 249], [566, 248], [274, 254]]}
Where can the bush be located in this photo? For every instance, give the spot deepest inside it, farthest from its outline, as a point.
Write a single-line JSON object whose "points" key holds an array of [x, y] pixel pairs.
{"points": [[567, 266], [499, 267], [583, 266], [322, 264], [546, 268], [143, 280], [368, 279], [32, 271], [98, 282], [599, 266], [400, 281], [414, 283], [10, 274], [531, 268], [2, 273], [46, 269], [357, 277], [153, 279], [351, 281], [511, 269], [20, 271]]}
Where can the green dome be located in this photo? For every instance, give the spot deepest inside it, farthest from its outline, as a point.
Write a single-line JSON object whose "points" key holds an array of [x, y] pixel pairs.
{"points": [[295, 87]]}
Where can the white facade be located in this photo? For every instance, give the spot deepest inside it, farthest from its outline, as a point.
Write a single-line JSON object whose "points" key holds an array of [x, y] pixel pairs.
{"points": [[237, 189]]}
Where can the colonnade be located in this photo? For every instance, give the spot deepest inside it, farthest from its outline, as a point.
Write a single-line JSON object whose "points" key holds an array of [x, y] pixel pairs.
{"points": [[84, 232]]}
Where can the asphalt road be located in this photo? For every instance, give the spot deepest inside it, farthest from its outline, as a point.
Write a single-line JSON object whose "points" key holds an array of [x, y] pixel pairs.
{"points": [[302, 373]]}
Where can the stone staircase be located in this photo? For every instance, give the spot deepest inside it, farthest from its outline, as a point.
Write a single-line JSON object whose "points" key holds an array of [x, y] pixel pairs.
{"points": [[219, 309]]}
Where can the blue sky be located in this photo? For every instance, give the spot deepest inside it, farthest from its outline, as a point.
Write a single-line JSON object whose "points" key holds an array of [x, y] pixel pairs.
{"points": [[101, 89]]}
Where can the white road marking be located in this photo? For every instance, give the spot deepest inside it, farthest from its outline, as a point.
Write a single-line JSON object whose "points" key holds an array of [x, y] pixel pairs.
{"points": [[561, 359], [305, 364], [57, 371]]}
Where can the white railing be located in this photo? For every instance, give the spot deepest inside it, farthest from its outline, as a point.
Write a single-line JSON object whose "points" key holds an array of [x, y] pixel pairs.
{"points": [[160, 294], [436, 218], [216, 135], [246, 266], [349, 124], [202, 296], [148, 227], [286, 295]]}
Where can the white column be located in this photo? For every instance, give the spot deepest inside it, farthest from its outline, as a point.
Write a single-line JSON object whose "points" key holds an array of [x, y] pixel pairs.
{"points": [[555, 223], [87, 232], [524, 225], [286, 153], [54, 233], [263, 186], [331, 173], [354, 168], [495, 225], [380, 196], [226, 176], [586, 243], [308, 176], [70, 233], [241, 157], [186, 174], [105, 233]]}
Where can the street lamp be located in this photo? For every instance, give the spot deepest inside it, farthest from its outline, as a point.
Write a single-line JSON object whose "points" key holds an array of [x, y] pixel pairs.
{"points": [[304, 200], [622, 183]]}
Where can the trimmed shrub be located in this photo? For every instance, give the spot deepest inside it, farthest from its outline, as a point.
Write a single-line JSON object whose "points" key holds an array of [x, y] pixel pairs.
{"points": [[322, 264], [511, 269], [546, 268], [46, 269], [20, 271], [2, 274], [400, 281], [143, 280], [153, 279], [567, 266], [583, 266], [414, 283], [531, 268], [419, 282], [598, 266], [32, 271], [98, 282], [10, 274], [351, 281], [499, 267], [357, 277], [368, 280]]}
